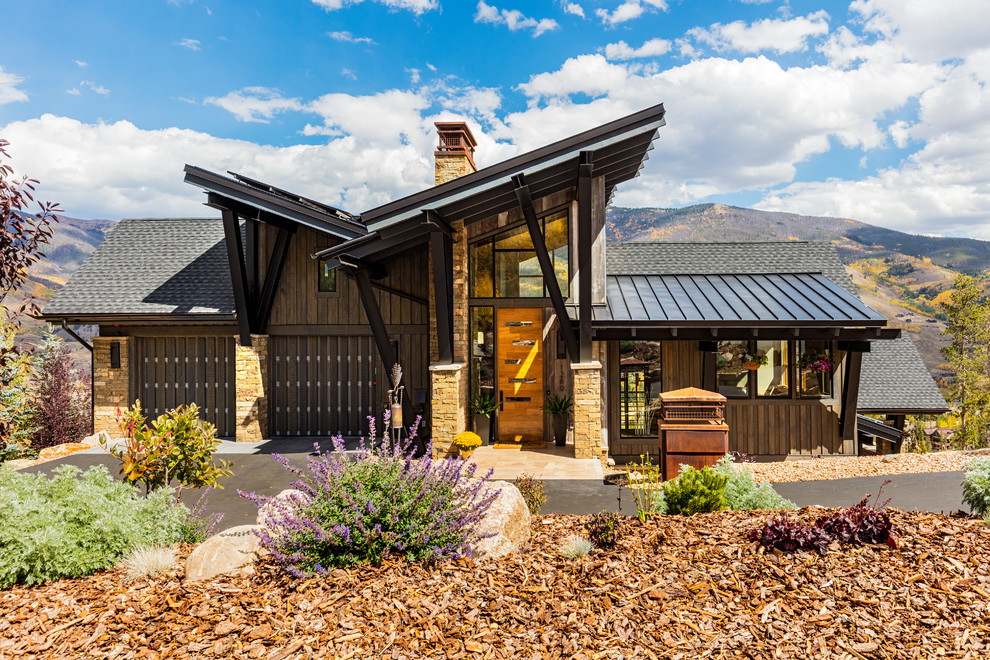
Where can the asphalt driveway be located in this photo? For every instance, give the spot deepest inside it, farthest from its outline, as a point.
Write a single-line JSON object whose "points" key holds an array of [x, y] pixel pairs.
{"points": [[260, 473]]}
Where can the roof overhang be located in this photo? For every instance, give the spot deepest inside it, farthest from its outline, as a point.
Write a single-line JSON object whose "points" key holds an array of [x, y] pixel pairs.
{"points": [[137, 318], [241, 193]]}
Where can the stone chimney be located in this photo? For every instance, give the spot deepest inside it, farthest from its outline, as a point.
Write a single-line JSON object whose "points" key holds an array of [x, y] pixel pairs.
{"points": [[455, 151]]}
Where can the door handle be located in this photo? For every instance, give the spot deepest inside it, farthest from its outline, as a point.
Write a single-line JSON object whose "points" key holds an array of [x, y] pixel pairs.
{"points": [[501, 400]]}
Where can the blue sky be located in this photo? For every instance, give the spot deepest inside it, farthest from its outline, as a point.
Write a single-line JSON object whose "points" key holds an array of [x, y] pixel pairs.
{"points": [[876, 110]]}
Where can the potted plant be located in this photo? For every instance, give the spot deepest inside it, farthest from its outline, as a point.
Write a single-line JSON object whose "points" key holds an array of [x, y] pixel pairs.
{"points": [[755, 361], [558, 407], [466, 443], [483, 407]]}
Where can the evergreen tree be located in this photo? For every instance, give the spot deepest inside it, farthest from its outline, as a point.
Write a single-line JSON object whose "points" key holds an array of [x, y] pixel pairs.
{"points": [[61, 398], [968, 327]]}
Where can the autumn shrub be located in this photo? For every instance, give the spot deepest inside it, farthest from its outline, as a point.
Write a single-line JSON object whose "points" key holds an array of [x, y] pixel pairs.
{"points": [[604, 529], [695, 491], [373, 504], [857, 525], [72, 524], [976, 486], [533, 492], [61, 409], [177, 445], [743, 493]]}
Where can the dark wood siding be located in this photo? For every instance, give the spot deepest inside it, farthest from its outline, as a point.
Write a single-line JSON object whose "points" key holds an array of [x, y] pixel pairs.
{"points": [[298, 304], [175, 371]]}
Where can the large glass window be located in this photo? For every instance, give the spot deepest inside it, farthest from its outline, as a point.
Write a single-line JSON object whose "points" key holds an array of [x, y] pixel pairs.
{"points": [[639, 387], [482, 351], [505, 265], [732, 372], [773, 375], [815, 366]]}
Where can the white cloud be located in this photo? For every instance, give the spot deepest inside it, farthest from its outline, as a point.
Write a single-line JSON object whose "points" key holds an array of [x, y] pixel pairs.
{"points": [[414, 75], [925, 30], [629, 10], [73, 92], [574, 8], [585, 74], [416, 6], [8, 88], [348, 73], [99, 89], [778, 35], [80, 63], [191, 44], [651, 48], [346, 36], [254, 104], [513, 19]]}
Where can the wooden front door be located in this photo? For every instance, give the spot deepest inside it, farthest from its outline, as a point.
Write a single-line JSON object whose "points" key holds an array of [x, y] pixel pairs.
{"points": [[519, 363]]}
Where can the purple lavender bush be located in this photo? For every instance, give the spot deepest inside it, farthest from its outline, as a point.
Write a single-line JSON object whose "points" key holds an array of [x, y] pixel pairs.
{"points": [[374, 504]]}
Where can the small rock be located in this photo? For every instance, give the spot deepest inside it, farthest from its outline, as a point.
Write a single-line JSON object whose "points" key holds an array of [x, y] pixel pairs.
{"points": [[95, 439], [288, 498], [231, 552], [610, 462], [890, 458], [508, 518]]}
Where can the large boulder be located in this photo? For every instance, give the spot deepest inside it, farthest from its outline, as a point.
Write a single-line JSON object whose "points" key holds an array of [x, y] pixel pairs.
{"points": [[508, 519], [231, 552], [287, 500]]}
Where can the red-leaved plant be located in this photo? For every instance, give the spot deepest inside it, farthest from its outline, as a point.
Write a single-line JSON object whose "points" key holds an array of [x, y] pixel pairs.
{"points": [[60, 407]]}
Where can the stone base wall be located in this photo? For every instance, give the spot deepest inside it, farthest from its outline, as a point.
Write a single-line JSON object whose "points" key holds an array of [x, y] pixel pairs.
{"points": [[111, 387], [449, 407], [587, 410], [251, 405]]}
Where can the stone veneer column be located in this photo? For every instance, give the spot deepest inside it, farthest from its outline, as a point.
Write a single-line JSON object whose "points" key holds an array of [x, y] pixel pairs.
{"points": [[111, 387], [587, 409], [251, 405], [449, 406]]}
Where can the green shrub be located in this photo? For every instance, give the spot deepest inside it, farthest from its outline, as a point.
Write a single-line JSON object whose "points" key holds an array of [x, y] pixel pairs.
{"points": [[177, 446], [695, 491], [532, 491], [743, 493], [73, 524], [646, 486], [603, 529], [976, 486]]}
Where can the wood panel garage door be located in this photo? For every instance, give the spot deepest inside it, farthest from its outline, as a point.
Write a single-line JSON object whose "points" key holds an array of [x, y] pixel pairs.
{"points": [[323, 385], [176, 371]]}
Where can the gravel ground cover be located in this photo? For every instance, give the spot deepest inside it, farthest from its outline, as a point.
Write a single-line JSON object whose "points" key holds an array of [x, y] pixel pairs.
{"points": [[672, 588], [819, 469]]}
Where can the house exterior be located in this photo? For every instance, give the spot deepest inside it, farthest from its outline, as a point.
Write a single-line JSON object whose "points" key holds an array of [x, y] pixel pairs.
{"points": [[282, 318]]}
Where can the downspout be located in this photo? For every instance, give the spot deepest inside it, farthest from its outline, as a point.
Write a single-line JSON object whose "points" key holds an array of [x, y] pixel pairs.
{"points": [[92, 366]]}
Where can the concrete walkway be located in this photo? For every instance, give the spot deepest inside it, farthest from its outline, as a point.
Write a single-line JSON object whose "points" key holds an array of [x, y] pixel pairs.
{"points": [[548, 463]]}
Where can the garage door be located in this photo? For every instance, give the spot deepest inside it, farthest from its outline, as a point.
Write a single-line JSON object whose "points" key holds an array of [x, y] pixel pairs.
{"points": [[323, 385], [175, 371]]}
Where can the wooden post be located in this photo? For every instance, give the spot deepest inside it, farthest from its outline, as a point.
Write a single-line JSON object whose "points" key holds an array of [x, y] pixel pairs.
{"points": [[443, 295], [584, 238], [238, 274], [850, 402]]}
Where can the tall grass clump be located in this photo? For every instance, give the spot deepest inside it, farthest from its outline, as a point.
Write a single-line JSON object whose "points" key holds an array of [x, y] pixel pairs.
{"points": [[148, 561], [374, 504], [646, 486], [743, 493], [72, 524]]}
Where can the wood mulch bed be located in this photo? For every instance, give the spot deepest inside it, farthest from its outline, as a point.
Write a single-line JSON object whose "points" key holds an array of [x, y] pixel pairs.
{"points": [[673, 588]]}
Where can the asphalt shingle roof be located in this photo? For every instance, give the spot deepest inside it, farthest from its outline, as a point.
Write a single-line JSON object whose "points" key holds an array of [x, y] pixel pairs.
{"points": [[895, 379], [735, 257], [160, 266]]}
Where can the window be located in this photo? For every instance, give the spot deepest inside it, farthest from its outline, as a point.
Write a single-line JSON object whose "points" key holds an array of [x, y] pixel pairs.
{"points": [[745, 367], [639, 387], [482, 351], [731, 370], [505, 265], [815, 367], [326, 281]]}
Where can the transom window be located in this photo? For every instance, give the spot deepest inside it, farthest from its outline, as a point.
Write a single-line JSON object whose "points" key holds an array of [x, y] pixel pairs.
{"points": [[505, 265], [764, 368]]}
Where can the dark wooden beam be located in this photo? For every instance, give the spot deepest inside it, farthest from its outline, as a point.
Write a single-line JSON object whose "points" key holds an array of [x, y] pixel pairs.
{"points": [[442, 296], [546, 266], [850, 397], [362, 278], [401, 294], [251, 234], [858, 346], [273, 276], [238, 274], [854, 335], [584, 239], [435, 222], [374, 271]]}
